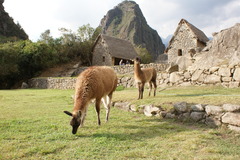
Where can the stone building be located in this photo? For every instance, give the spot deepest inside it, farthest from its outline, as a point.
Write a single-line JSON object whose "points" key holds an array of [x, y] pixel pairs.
{"points": [[110, 51], [185, 43]]}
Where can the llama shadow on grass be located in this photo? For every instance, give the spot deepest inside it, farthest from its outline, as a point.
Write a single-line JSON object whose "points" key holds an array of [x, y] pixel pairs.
{"points": [[145, 129]]}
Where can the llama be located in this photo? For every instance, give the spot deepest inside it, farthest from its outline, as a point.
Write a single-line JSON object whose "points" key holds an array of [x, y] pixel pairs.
{"points": [[142, 76], [99, 83]]}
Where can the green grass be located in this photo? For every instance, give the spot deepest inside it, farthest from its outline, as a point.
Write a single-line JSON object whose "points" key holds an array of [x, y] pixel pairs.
{"points": [[33, 126], [166, 97]]}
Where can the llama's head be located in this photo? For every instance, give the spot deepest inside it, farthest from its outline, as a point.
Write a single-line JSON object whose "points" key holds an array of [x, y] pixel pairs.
{"points": [[137, 60], [77, 120]]}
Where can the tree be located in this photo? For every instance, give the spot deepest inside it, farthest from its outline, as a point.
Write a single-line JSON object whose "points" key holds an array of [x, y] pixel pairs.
{"points": [[144, 54], [68, 37], [85, 33], [46, 37]]}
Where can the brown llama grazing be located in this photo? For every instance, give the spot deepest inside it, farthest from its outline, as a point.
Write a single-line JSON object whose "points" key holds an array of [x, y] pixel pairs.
{"points": [[143, 76], [99, 83]]}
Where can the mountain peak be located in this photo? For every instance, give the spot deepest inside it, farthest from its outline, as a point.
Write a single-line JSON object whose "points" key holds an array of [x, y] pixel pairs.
{"points": [[126, 21], [7, 26]]}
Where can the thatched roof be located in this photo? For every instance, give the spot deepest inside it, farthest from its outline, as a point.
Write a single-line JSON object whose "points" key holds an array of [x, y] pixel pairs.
{"points": [[117, 47], [199, 35]]}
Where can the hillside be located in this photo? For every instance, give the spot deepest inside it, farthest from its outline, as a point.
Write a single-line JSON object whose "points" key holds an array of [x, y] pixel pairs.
{"points": [[8, 29], [126, 21]]}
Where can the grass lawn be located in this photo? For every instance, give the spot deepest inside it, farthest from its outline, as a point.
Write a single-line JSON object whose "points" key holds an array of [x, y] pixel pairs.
{"points": [[33, 126]]}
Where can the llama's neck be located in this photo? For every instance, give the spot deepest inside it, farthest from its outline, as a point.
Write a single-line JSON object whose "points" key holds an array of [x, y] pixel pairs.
{"points": [[137, 69], [78, 105], [80, 101]]}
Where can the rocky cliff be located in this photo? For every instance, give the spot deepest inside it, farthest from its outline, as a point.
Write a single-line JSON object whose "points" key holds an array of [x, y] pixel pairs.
{"points": [[223, 49], [7, 26], [126, 21]]}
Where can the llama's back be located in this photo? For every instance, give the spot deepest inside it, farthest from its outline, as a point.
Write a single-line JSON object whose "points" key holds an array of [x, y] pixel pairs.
{"points": [[96, 82], [150, 74]]}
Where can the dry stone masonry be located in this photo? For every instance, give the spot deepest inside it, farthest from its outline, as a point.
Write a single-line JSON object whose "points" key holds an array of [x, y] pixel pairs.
{"points": [[213, 116], [125, 73], [52, 83], [227, 76]]}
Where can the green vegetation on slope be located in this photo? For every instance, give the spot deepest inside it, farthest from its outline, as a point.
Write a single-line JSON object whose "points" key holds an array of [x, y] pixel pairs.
{"points": [[22, 60], [33, 126]]}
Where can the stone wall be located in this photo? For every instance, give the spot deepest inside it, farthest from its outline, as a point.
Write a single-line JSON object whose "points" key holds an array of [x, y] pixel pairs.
{"points": [[52, 83], [227, 76], [214, 116], [69, 82], [128, 69]]}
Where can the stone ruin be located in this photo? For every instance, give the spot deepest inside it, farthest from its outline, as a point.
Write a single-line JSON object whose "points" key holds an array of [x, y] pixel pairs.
{"points": [[213, 116]]}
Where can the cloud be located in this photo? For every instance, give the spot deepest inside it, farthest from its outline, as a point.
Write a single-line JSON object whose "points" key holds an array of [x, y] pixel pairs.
{"points": [[39, 15], [208, 15]]}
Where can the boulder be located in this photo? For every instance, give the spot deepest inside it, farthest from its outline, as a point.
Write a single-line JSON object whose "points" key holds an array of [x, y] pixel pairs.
{"points": [[187, 75], [231, 107], [185, 84], [122, 105], [183, 63], [133, 108], [172, 68], [151, 110], [234, 128], [234, 84], [226, 72], [197, 116], [213, 110], [212, 79], [196, 75], [175, 77], [231, 118], [213, 122], [222, 49], [170, 115], [181, 107], [213, 69], [236, 75], [198, 107], [140, 108], [24, 85], [165, 75], [226, 79]]}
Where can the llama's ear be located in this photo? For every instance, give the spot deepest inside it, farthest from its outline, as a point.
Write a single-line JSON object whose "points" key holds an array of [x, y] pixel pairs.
{"points": [[68, 113]]}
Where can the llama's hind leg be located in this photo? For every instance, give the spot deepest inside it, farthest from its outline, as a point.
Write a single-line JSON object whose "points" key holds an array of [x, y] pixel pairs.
{"points": [[142, 90], [97, 107], [107, 104], [109, 100], [150, 88], [155, 87]]}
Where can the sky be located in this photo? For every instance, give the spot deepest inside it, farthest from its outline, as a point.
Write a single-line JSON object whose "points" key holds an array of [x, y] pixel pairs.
{"points": [[37, 16]]}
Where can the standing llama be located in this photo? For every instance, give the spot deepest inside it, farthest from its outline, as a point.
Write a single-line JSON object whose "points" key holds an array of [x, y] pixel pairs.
{"points": [[143, 76], [99, 83]]}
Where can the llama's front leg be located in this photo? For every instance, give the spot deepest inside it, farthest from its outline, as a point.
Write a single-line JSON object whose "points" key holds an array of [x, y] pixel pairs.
{"points": [[83, 118], [97, 106], [139, 90]]}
